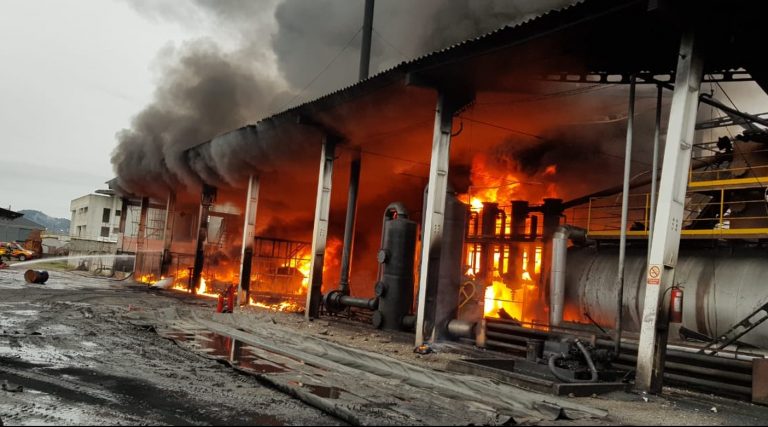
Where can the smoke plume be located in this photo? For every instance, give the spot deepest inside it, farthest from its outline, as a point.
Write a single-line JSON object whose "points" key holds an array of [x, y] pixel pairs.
{"points": [[268, 55]]}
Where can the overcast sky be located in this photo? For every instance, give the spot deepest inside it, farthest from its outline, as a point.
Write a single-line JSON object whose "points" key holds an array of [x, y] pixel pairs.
{"points": [[74, 73]]}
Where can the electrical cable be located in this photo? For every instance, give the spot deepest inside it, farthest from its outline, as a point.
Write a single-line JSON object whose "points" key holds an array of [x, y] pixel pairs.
{"points": [[323, 70]]}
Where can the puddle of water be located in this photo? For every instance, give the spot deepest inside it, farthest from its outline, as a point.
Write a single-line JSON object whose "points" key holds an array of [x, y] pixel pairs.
{"points": [[320, 391], [225, 347]]}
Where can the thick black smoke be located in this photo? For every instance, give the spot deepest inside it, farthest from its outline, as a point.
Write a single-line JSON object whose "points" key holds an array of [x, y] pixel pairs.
{"points": [[275, 50]]}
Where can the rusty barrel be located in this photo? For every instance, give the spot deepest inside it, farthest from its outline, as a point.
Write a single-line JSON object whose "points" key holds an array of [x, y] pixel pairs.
{"points": [[33, 276]]}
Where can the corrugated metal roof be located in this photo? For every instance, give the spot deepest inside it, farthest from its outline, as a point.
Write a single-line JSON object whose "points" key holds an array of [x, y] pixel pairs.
{"points": [[577, 10]]}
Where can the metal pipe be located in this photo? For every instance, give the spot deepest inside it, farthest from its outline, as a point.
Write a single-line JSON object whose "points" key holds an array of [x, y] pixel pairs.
{"points": [[557, 281], [249, 230], [624, 215], [735, 377], [365, 48], [349, 225], [207, 199], [320, 227], [461, 328], [655, 168], [165, 262], [366, 303], [706, 99], [505, 346]]}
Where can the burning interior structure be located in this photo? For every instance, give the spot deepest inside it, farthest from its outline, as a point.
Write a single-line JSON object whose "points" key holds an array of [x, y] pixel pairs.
{"points": [[509, 230]]}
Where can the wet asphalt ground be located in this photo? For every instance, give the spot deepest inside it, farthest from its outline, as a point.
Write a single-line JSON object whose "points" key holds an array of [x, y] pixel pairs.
{"points": [[67, 359]]}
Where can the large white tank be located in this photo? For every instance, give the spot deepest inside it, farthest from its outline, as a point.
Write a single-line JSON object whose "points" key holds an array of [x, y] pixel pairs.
{"points": [[722, 286]]}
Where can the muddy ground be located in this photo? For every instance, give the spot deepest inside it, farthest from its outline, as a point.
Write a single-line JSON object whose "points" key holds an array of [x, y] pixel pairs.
{"points": [[79, 364], [78, 360]]}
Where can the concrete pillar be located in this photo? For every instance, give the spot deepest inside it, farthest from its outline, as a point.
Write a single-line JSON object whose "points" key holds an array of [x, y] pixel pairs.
{"points": [[249, 230], [432, 229], [170, 212], [669, 216], [320, 233]]}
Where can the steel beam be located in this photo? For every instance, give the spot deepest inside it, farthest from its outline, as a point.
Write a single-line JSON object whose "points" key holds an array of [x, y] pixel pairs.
{"points": [[432, 229], [320, 229], [170, 207], [249, 230], [207, 199], [669, 216], [365, 47], [349, 225], [655, 168], [141, 233], [624, 216]]}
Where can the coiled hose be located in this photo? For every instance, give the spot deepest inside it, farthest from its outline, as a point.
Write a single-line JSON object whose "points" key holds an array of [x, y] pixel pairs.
{"points": [[590, 364]]}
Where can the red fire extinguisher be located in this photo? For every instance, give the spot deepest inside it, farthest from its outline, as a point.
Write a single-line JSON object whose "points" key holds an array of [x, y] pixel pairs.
{"points": [[226, 302], [676, 305], [231, 299]]}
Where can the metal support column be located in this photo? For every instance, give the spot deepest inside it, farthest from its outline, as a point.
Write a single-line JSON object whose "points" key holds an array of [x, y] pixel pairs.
{"points": [[141, 232], [624, 218], [655, 168], [123, 221], [207, 199], [365, 47], [249, 230], [669, 216], [432, 229], [170, 208], [320, 233], [349, 225]]}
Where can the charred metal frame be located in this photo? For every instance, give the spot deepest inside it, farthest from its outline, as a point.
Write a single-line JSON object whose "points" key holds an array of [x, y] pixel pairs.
{"points": [[208, 197], [165, 262]]}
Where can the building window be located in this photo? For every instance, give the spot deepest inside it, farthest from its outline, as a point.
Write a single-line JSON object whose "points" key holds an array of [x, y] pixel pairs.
{"points": [[104, 231], [118, 212], [106, 214], [116, 230]]}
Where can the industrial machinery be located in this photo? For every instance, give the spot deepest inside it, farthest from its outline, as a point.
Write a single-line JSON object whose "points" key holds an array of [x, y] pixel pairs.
{"points": [[717, 306], [394, 286]]}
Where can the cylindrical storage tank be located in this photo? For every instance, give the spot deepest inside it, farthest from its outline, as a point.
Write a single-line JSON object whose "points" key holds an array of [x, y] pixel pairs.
{"points": [[722, 287], [452, 262], [33, 276], [395, 286]]}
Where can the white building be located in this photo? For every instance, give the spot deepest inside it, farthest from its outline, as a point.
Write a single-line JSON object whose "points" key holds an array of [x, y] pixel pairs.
{"points": [[96, 217]]}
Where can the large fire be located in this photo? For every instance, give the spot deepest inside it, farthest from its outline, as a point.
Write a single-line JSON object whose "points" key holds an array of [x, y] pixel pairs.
{"points": [[278, 284], [508, 295]]}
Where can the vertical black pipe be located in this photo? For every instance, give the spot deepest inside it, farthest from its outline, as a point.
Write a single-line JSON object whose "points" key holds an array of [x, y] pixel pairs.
{"points": [[208, 197], [365, 49], [489, 214], [349, 225]]}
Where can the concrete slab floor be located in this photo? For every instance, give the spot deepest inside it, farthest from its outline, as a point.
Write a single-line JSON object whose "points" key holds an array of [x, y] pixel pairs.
{"points": [[80, 362]]}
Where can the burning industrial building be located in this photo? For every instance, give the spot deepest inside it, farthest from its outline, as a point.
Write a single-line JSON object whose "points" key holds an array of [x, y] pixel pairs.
{"points": [[480, 196]]}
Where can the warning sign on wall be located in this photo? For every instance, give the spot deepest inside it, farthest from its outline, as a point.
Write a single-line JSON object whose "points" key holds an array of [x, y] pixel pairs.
{"points": [[654, 275]]}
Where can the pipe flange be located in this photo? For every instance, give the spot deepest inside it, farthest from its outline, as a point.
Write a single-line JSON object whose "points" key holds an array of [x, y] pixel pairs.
{"points": [[332, 302], [380, 289], [382, 256]]}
